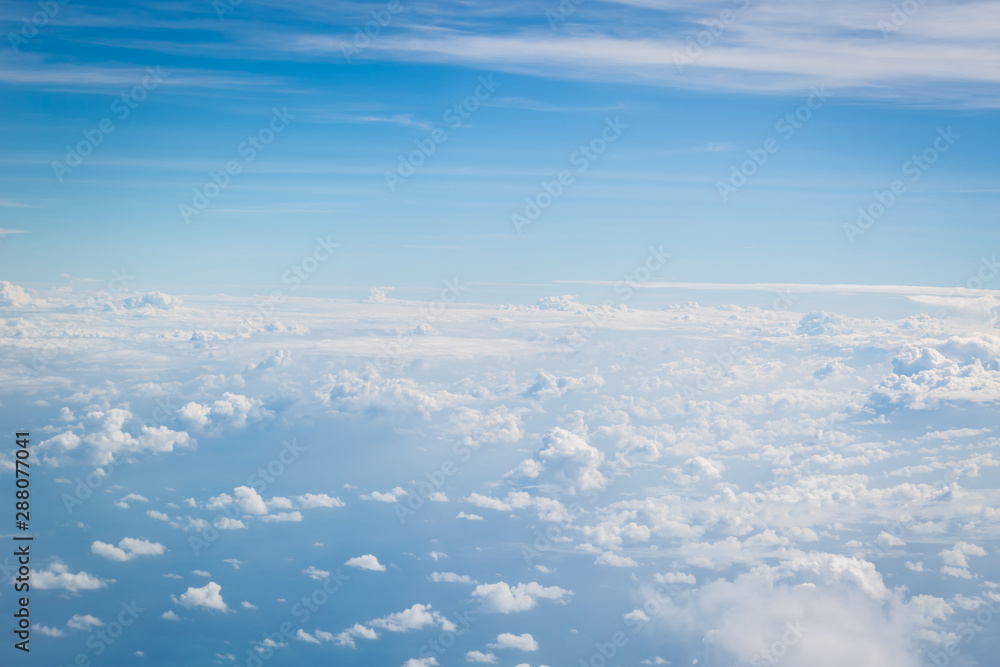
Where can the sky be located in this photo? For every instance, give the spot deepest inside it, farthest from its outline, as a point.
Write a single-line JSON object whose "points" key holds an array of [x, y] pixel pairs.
{"points": [[411, 333]]}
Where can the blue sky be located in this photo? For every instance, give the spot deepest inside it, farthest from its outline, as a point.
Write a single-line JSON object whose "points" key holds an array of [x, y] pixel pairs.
{"points": [[687, 127], [608, 333]]}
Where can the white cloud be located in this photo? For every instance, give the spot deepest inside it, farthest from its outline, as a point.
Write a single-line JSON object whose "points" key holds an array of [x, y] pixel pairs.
{"points": [[58, 575], [480, 657], [505, 599], [169, 615], [84, 622], [414, 618], [13, 296], [523, 642], [390, 497], [311, 500], [366, 562], [208, 596], [452, 578], [127, 549]]}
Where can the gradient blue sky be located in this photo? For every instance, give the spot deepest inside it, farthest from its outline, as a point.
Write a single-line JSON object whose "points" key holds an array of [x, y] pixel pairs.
{"points": [[656, 185]]}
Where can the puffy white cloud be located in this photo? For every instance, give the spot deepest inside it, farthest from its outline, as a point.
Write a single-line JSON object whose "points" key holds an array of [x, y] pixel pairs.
{"points": [[58, 575], [416, 617], [366, 562], [568, 458], [479, 657], [170, 615], [392, 496], [421, 662], [155, 300], [316, 573], [127, 549], [346, 638], [312, 500], [615, 560], [208, 596], [523, 642], [234, 411], [505, 599], [84, 622], [13, 296]]}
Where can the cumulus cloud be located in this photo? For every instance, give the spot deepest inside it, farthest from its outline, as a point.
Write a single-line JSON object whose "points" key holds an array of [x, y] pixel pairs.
{"points": [[13, 296], [414, 618], [208, 596], [233, 411], [392, 496], [154, 300], [568, 458], [480, 658], [57, 575], [523, 642], [366, 562], [127, 549], [505, 599]]}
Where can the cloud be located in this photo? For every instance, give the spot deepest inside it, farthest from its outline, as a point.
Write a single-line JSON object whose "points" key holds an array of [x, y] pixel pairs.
{"points": [[366, 562], [154, 300], [13, 296], [244, 497], [420, 662], [84, 622], [416, 617], [452, 578], [568, 459], [346, 638], [127, 549], [312, 500], [615, 560], [58, 575], [316, 573], [480, 657], [169, 615], [392, 496], [468, 517], [208, 596], [505, 599], [234, 411], [524, 642]]}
